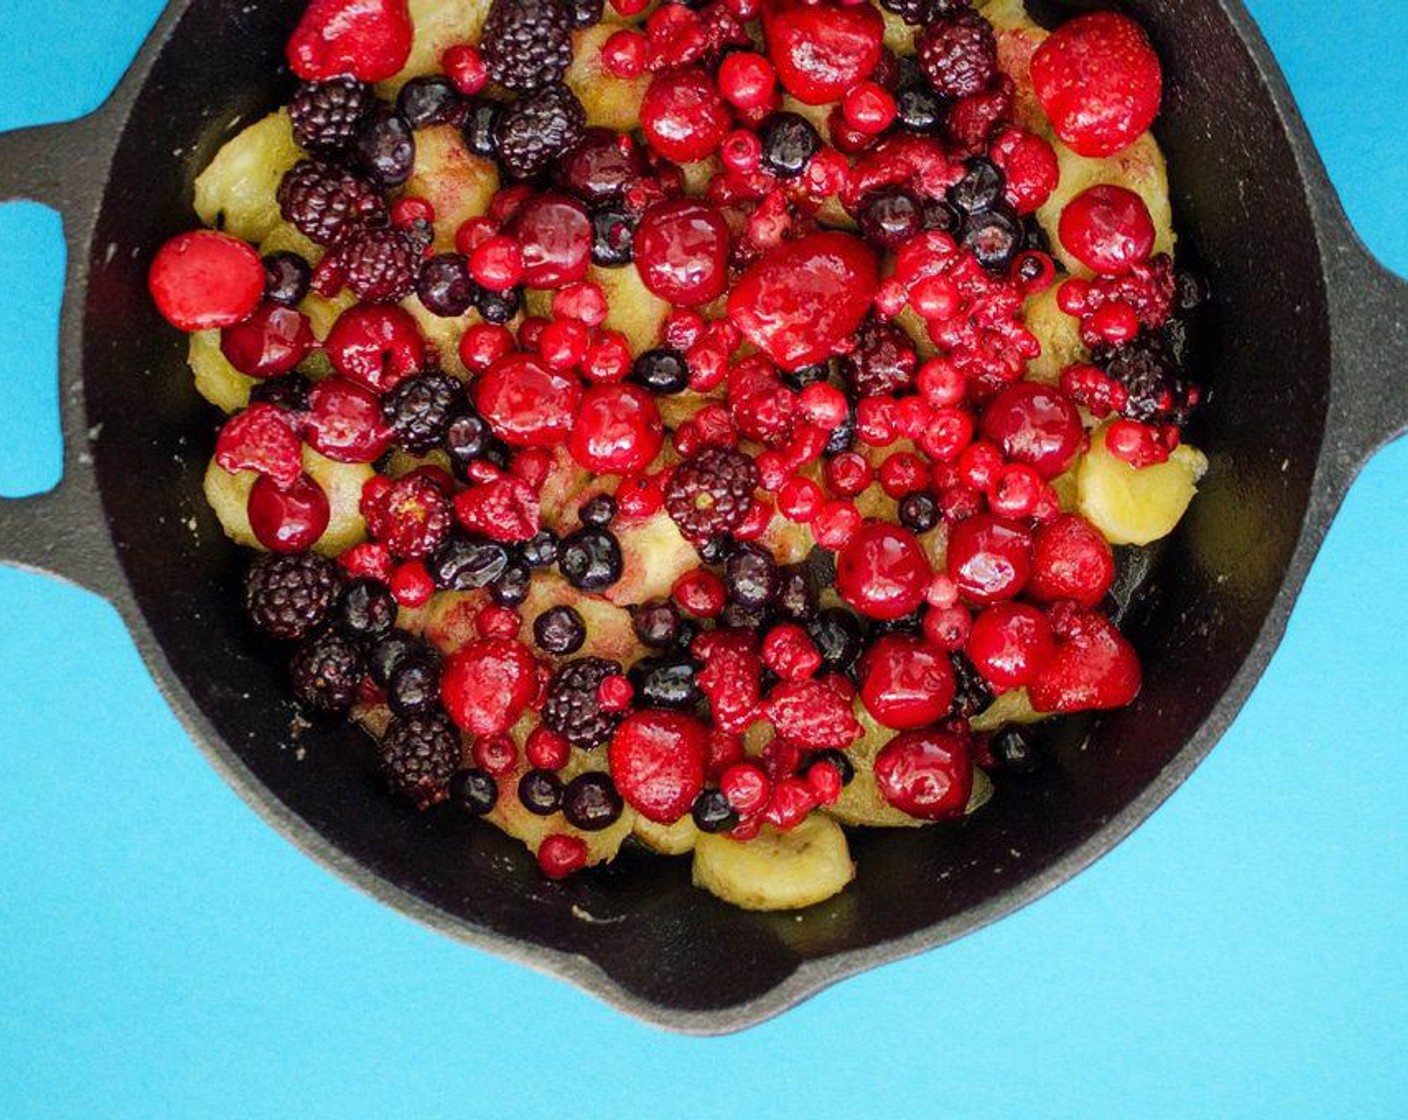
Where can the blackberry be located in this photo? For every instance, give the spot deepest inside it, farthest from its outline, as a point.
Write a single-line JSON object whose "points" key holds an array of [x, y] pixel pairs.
{"points": [[326, 672], [323, 202], [710, 493], [540, 791], [613, 236], [789, 143], [386, 149], [666, 682], [712, 812], [481, 123], [591, 802], [468, 564], [656, 623], [326, 114], [287, 277], [590, 559], [972, 694], [560, 630], [750, 576], [890, 217], [1146, 367], [414, 687], [663, 371], [289, 391], [883, 361], [430, 100], [599, 510], [527, 44], [289, 596], [419, 410], [572, 709], [958, 54], [995, 237], [538, 129], [498, 307], [366, 611], [380, 264], [980, 188], [443, 285], [540, 550], [511, 588], [419, 755], [474, 792]]}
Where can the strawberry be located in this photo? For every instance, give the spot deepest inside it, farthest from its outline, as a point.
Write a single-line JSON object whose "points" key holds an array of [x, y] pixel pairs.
{"points": [[368, 39], [503, 509], [658, 759], [822, 50], [261, 438], [1094, 668], [488, 684]]}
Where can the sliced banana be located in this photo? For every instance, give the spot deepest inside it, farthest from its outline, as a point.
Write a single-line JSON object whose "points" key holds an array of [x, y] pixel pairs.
{"points": [[1059, 335], [668, 839], [1132, 506], [452, 179], [238, 191], [610, 102], [438, 25], [632, 308], [776, 870], [342, 483], [228, 497], [1011, 707], [216, 379]]}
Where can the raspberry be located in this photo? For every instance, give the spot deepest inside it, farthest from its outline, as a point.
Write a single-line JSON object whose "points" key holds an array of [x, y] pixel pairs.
{"points": [[527, 44], [419, 755], [539, 129], [487, 685], [289, 596], [812, 714], [326, 114], [883, 362], [1158, 394], [710, 493], [573, 709], [324, 201], [413, 519], [326, 673], [503, 509], [380, 264], [419, 410], [261, 438], [958, 54]]}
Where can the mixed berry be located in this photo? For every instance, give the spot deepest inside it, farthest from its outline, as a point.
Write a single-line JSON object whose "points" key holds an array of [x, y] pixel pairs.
{"points": [[703, 424]]}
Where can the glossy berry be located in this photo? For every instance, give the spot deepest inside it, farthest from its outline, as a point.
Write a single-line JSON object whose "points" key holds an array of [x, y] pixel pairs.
{"points": [[590, 559], [269, 343], [573, 707], [711, 492], [918, 512], [882, 572], [288, 519], [995, 238], [375, 347], [385, 149], [1108, 229], [789, 143], [206, 280], [618, 430], [325, 673], [418, 411], [657, 759], [540, 792], [591, 802], [1035, 424], [527, 44], [820, 51], [656, 623], [368, 39], [890, 217], [418, 757], [413, 687], [554, 234], [958, 54], [366, 612], [927, 774], [905, 682], [751, 576], [1010, 644], [537, 129], [474, 792], [443, 285], [560, 630], [681, 249], [324, 201], [613, 236], [486, 685], [287, 597], [286, 278], [1094, 668], [344, 422], [560, 855], [683, 115], [663, 371], [468, 564], [712, 812], [430, 100], [1070, 560], [989, 559], [666, 682], [527, 404]]}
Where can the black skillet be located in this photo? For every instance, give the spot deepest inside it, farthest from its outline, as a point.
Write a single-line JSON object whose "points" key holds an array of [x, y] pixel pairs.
{"points": [[1310, 375]]}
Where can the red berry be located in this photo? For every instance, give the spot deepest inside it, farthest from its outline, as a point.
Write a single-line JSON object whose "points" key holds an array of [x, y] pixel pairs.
{"points": [[1071, 560], [205, 280], [270, 342], [497, 754], [411, 585], [368, 560], [504, 509], [560, 855], [615, 693], [546, 749], [464, 65], [1099, 81], [746, 79], [639, 496], [903, 473], [527, 404], [618, 430], [681, 251], [882, 571], [496, 263], [624, 53], [822, 50], [1010, 644], [413, 518], [261, 438], [792, 800], [804, 299], [747, 788], [1030, 166], [948, 627], [799, 499], [1094, 668], [848, 473], [554, 232], [1016, 492], [495, 621], [836, 523], [1035, 424], [869, 108], [812, 714], [927, 774], [1107, 229], [484, 344], [658, 759], [377, 347], [288, 519], [989, 559], [344, 422], [563, 344], [683, 116], [488, 684], [700, 592], [789, 652], [368, 39], [905, 682]]}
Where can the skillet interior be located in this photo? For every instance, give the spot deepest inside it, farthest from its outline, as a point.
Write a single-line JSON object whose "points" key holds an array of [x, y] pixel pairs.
{"points": [[674, 950]]}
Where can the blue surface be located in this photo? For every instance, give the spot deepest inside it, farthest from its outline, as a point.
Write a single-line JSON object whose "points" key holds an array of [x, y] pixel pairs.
{"points": [[163, 954]]}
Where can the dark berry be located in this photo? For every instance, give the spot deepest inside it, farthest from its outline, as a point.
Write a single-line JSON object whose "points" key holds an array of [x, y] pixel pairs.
{"points": [[715, 549], [663, 371], [481, 123], [572, 708], [540, 551], [798, 594], [666, 682], [323, 201], [419, 755], [366, 611], [972, 694], [995, 238], [590, 559], [1149, 372], [601, 167], [286, 278], [890, 217], [467, 564], [289, 392], [789, 143], [386, 149], [474, 792], [1014, 749], [444, 287], [799, 379], [843, 435], [919, 109], [599, 510], [585, 13], [541, 792], [430, 100], [656, 623], [386, 656], [326, 114], [560, 630], [837, 636], [538, 129], [613, 236], [913, 12], [380, 263], [418, 411], [527, 44], [467, 437], [414, 685], [325, 672], [839, 759], [941, 216], [712, 813], [750, 575], [883, 362], [958, 54], [980, 188], [289, 596], [711, 492], [919, 512], [498, 307], [591, 802], [511, 588], [743, 616]]}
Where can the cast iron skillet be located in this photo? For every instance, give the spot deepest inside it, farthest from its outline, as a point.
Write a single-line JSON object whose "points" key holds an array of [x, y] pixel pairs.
{"points": [[1310, 375]]}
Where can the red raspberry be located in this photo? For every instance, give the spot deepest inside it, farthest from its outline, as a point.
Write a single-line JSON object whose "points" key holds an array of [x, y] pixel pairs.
{"points": [[1094, 668], [1030, 166], [730, 679], [494, 621], [971, 122], [288, 519], [261, 438], [927, 774], [822, 50], [270, 342], [1010, 644], [488, 684], [657, 760], [377, 347], [205, 280], [527, 404], [812, 714], [906, 683], [368, 560], [882, 571], [790, 652], [683, 116], [368, 39], [413, 518], [560, 855], [503, 509], [344, 422], [1070, 560], [1108, 229]]}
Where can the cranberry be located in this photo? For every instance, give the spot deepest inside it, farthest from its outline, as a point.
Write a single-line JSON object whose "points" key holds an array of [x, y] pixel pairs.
{"points": [[368, 39], [269, 343], [882, 571], [602, 166], [560, 855], [905, 682], [547, 750], [411, 585], [1094, 668], [1107, 229], [836, 523], [290, 519], [681, 250], [746, 786], [989, 559], [488, 684], [1099, 81], [1010, 644], [618, 430], [261, 438], [683, 116], [205, 280], [822, 50], [377, 347], [747, 79], [527, 404], [498, 754], [484, 344], [805, 298], [1071, 560], [927, 774], [869, 108], [554, 232], [464, 66], [1035, 424], [345, 422], [657, 759], [701, 592]]}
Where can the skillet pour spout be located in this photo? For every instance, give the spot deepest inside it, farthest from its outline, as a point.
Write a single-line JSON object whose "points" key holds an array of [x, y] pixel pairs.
{"points": [[1309, 376]]}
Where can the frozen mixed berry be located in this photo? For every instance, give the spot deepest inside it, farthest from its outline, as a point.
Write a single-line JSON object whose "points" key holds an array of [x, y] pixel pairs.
{"points": [[325, 115], [663, 371], [444, 287], [711, 493], [537, 129], [613, 235], [386, 655], [286, 278], [379, 264], [419, 410], [751, 576], [958, 54], [590, 559], [289, 392], [540, 550], [368, 39], [418, 756], [560, 631], [288, 597], [468, 564], [573, 707], [326, 672], [656, 623], [1157, 391], [512, 588], [591, 802], [413, 687], [883, 362], [480, 127], [527, 44], [712, 812], [669, 681], [474, 792], [540, 792], [323, 201], [366, 611], [971, 693], [789, 143], [430, 100]]}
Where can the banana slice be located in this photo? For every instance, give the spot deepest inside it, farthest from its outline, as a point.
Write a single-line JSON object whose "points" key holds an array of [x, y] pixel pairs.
{"points": [[1132, 506], [777, 870], [610, 102], [228, 497], [655, 554], [216, 379], [668, 839], [1059, 335], [632, 308], [285, 237], [452, 179], [1010, 707], [438, 25], [238, 189]]}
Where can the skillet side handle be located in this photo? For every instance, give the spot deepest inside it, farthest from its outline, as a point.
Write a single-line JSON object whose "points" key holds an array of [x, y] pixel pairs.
{"points": [[61, 532]]}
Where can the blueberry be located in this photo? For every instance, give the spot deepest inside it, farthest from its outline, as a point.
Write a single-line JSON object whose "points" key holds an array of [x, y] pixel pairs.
{"points": [[797, 593], [714, 550], [712, 813], [995, 238], [919, 512], [481, 121], [474, 792], [613, 236], [426, 101], [837, 636], [498, 307], [666, 682], [511, 588], [386, 149], [590, 559], [286, 278], [919, 109], [560, 630], [891, 217], [591, 802], [415, 686], [467, 564], [367, 611], [540, 551], [656, 623], [980, 188], [388, 654], [663, 371], [789, 143], [541, 792], [444, 287], [599, 510], [843, 435]]}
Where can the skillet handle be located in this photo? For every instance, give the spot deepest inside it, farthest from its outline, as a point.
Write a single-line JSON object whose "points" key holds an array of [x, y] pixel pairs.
{"points": [[58, 533]]}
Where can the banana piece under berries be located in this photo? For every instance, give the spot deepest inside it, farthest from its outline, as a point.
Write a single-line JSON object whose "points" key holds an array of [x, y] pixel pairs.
{"points": [[776, 870], [237, 192], [1136, 506]]}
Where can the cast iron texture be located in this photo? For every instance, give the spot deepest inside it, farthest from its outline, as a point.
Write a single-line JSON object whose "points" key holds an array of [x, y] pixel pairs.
{"points": [[1308, 372]]}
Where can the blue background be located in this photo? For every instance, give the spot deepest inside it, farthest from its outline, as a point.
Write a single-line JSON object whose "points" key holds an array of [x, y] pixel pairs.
{"points": [[163, 953]]}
